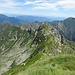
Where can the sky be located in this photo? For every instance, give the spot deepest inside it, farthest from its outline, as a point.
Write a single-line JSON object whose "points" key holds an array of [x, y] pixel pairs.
{"points": [[53, 8]]}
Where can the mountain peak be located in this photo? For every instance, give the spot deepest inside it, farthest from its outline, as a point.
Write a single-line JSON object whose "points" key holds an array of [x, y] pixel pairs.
{"points": [[2, 15], [70, 18]]}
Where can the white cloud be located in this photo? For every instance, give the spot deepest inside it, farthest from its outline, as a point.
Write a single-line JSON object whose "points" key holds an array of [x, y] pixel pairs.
{"points": [[32, 2], [37, 5], [9, 3], [67, 4], [52, 4], [46, 6], [40, 4]]}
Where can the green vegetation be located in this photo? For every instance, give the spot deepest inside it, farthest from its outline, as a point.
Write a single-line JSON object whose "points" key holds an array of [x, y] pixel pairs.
{"points": [[58, 65], [36, 52]]}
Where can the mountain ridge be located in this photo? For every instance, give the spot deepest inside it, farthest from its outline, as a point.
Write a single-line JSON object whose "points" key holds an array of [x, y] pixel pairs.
{"points": [[21, 46], [35, 50], [66, 27]]}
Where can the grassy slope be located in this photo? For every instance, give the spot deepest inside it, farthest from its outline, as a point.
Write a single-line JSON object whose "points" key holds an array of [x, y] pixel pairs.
{"points": [[59, 65], [43, 60], [45, 65]]}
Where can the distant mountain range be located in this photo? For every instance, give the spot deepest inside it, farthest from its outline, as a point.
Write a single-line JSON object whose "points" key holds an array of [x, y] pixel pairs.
{"points": [[31, 19], [18, 20], [22, 19], [12, 20]]}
